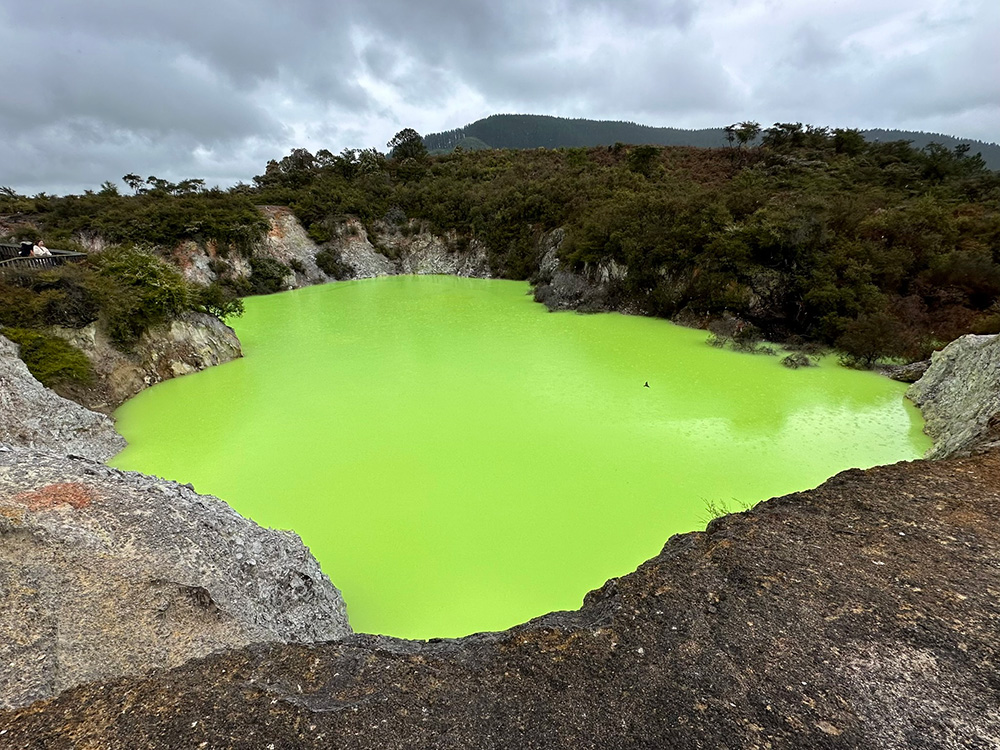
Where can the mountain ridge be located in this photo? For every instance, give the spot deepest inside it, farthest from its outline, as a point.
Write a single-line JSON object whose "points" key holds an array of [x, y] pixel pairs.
{"points": [[547, 131]]}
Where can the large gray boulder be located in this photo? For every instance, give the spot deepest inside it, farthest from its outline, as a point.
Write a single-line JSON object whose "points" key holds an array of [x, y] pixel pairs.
{"points": [[959, 396], [105, 573], [32, 416]]}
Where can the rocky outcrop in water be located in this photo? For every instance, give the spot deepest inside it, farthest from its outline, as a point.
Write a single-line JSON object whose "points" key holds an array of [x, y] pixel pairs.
{"points": [[190, 343], [861, 614], [33, 416], [105, 573], [959, 396], [908, 373]]}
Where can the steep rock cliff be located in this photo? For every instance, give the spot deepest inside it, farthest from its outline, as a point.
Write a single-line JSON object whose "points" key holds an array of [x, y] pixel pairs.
{"points": [[406, 249], [190, 343], [204, 263], [861, 614], [959, 396], [391, 249], [288, 243], [105, 573], [32, 416]]}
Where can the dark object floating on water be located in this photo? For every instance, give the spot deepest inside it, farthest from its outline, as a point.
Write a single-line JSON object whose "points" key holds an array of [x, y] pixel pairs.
{"points": [[646, 384]]}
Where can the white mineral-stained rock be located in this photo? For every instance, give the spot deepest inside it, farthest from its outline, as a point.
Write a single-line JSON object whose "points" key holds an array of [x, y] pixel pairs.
{"points": [[959, 396], [288, 243], [106, 573], [425, 253], [33, 416], [357, 251]]}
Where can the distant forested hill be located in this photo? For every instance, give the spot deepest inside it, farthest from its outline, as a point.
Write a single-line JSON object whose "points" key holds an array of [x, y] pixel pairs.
{"points": [[534, 131]]}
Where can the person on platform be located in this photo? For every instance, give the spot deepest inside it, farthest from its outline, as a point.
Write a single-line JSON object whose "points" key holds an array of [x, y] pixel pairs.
{"points": [[40, 251]]}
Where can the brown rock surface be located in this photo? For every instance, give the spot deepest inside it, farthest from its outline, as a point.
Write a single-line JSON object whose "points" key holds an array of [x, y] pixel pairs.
{"points": [[105, 573], [192, 342], [862, 614]]}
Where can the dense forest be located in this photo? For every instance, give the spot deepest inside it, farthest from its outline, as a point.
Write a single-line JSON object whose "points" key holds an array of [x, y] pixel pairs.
{"points": [[544, 131], [803, 234]]}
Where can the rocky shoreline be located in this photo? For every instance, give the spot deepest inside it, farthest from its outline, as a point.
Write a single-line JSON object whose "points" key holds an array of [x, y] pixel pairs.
{"points": [[861, 614]]}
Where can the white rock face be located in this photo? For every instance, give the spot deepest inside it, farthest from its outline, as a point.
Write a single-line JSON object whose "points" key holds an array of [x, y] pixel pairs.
{"points": [[199, 263], [959, 396], [388, 252], [407, 253], [32, 416], [357, 251], [425, 253], [105, 573]]}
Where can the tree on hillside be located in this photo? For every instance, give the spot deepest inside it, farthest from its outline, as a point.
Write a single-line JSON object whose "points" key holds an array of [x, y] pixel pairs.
{"points": [[742, 134], [134, 181], [407, 144], [293, 171]]}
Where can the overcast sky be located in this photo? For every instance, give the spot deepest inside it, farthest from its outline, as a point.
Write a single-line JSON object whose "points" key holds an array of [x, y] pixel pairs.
{"points": [[94, 89]]}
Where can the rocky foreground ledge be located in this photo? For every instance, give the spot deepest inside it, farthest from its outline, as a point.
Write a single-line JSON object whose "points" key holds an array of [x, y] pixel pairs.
{"points": [[862, 614], [105, 573]]}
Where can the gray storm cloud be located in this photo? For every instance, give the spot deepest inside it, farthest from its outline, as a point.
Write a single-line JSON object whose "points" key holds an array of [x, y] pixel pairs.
{"points": [[95, 89]]}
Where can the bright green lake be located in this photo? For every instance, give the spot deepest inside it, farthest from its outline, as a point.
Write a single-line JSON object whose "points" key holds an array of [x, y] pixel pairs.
{"points": [[459, 459]]}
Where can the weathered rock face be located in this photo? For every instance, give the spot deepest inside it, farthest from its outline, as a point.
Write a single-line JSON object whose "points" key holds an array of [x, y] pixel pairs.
{"points": [[105, 573], [861, 614], [908, 373], [392, 250], [32, 416], [425, 253], [288, 243], [959, 396], [193, 342], [357, 251], [591, 290], [204, 263], [406, 250]]}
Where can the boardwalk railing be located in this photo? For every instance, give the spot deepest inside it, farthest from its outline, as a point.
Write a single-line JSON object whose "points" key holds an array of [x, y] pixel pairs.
{"points": [[11, 259]]}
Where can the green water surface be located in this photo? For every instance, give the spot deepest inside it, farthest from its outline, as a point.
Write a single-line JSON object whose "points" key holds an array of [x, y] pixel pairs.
{"points": [[459, 459]]}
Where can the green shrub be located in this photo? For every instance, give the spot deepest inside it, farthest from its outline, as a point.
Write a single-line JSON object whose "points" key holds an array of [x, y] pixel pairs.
{"points": [[50, 359], [219, 300], [63, 296], [137, 290], [267, 275], [331, 263], [18, 306]]}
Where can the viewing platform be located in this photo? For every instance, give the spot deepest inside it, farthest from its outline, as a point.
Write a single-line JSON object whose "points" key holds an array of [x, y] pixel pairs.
{"points": [[11, 258]]}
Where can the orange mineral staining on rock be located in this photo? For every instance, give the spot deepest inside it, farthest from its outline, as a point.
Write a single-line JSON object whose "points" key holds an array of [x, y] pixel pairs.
{"points": [[52, 495]]}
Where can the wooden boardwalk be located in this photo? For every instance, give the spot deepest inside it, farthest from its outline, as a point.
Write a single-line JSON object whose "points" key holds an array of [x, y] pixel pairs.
{"points": [[10, 258]]}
